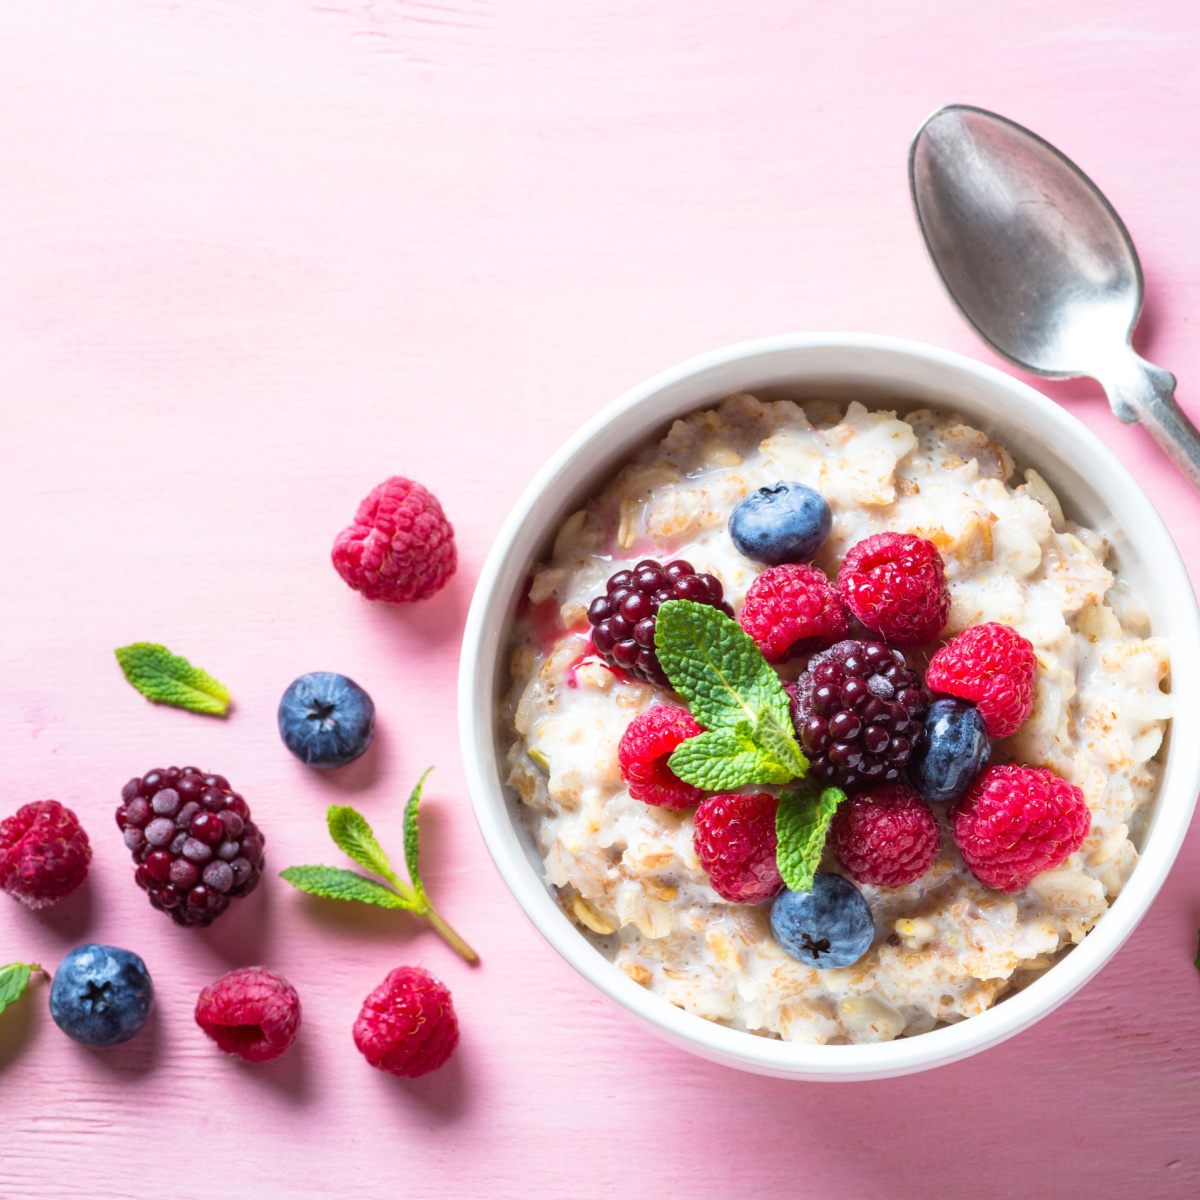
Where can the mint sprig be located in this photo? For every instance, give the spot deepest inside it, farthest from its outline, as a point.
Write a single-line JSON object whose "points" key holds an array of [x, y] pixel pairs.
{"points": [[801, 825], [167, 678], [14, 979], [353, 836], [734, 693]]}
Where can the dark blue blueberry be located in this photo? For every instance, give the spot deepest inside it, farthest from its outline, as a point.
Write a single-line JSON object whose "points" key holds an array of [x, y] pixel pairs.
{"points": [[326, 720], [831, 926], [782, 524], [101, 996], [951, 753]]}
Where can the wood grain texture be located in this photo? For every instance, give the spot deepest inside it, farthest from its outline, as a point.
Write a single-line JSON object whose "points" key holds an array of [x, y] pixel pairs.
{"points": [[257, 255]]}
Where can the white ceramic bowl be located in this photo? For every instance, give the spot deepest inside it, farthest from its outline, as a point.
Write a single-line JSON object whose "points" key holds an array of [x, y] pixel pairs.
{"points": [[1094, 488]]}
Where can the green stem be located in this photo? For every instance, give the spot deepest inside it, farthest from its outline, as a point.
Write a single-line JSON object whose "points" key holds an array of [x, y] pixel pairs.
{"points": [[435, 919]]}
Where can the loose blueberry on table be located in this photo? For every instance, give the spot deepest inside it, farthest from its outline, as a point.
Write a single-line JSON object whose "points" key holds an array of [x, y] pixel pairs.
{"points": [[326, 720], [101, 995]]}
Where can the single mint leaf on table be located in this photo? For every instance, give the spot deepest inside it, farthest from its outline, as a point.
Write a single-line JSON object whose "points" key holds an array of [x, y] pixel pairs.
{"points": [[412, 850], [733, 692], [167, 678], [334, 883], [801, 824], [14, 979]]}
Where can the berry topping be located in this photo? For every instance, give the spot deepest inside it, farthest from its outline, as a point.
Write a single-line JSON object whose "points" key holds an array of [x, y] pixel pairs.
{"points": [[400, 547], [624, 618], [44, 853], [407, 1024], [994, 666], [1016, 822], [886, 838], [101, 996], [895, 584], [831, 926], [193, 840], [792, 609], [857, 712], [781, 524], [326, 720], [645, 746], [735, 842], [952, 752], [252, 1013]]}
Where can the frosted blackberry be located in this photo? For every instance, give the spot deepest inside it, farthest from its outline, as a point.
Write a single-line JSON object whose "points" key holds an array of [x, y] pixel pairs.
{"points": [[857, 712], [623, 619], [193, 841]]}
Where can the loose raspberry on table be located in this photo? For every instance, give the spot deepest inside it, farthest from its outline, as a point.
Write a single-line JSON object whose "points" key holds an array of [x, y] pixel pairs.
{"points": [[858, 712], [735, 842], [887, 837], [792, 609], [1016, 822], [625, 617], [44, 853], [194, 843], [400, 547], [895, 584], [644, 749], [993, 666], [253, 1013], [407, 1025]]}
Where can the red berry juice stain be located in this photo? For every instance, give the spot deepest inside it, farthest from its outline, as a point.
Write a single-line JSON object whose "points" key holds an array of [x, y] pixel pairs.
{"points": [[587, 658]]}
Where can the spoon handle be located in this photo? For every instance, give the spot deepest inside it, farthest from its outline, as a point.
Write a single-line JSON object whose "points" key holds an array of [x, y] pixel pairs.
{"points": [[1140, 391]]}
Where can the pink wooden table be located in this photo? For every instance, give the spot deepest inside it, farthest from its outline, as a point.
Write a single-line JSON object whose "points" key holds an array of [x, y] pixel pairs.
{"points": [[255, 255]]}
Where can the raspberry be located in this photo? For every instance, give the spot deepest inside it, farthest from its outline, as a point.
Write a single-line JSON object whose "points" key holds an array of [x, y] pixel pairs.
{"points": [[791, 609], [400, 547], [1016, 822], [252, 1013], [886, 838], [193, 840], [644, 749], [407, 1024], [857, 711], [895, 584], [994, 666], [735, 842], [624, 618], [44, 853]]}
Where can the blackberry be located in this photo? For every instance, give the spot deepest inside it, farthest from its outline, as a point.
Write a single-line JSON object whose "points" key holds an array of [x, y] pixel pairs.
{"points": [[623, 619], [193, 841], [857, 710]]}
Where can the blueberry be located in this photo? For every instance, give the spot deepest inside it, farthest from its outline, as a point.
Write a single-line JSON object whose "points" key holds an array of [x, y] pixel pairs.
{"points": [[952, 752], [101, 996], [831, 926], [781, 524], [326, 720]]}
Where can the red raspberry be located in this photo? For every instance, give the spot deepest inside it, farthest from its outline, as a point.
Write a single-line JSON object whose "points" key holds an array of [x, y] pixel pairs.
{"points": [[735, 842], [992, 665], [407, 1024], [400, 547], [44, 853], [792, 609], [252, 1013], [895, 584], [1016, 822], [887, 837], [643, 752]]}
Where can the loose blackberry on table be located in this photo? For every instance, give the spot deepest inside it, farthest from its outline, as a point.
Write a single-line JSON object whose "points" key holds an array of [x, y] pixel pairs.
{"points": [[193, 841], [857, 710], [624, 618]]}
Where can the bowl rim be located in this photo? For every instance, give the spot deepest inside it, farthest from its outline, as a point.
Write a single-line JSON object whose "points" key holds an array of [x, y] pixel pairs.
{"points": [[478, 731]]}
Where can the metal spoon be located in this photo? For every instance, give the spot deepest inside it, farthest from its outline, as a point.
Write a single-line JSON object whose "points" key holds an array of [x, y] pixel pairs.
{"points": [[1040, 265]]}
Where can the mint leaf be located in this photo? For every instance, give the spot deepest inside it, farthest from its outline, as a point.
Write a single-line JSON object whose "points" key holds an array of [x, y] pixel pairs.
{"points": [[354, 837], [334, 883], [779, 745], [801, 823], [14, 979], [166, 678], [725, 758], [411, 847]]}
